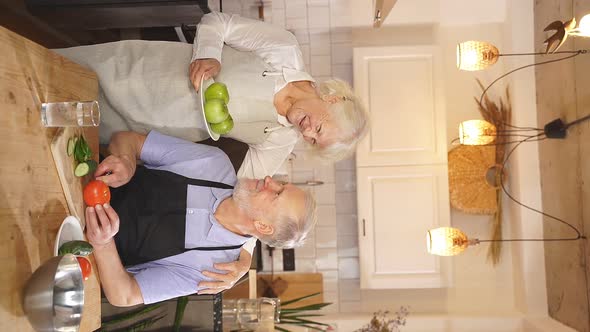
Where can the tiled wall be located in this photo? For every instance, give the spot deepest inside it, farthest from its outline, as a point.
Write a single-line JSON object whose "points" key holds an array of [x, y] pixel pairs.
{"points": [[322, 28], [323, 31]]}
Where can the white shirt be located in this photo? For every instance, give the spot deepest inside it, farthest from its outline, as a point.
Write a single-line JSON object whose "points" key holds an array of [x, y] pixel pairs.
{"points": [[280, 50]]}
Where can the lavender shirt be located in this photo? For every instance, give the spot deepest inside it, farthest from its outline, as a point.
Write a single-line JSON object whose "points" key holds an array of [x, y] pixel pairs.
{"points": [[179, 275]]}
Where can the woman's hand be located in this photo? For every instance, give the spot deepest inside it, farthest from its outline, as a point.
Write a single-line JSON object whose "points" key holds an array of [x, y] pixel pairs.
{"points": [[203, 68], [116, 171], [102, 223], [222, 281]]}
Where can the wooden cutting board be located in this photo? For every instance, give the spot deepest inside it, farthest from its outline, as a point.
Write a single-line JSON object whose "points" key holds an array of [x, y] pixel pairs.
{"points": [[71, 184], [294, 285]]}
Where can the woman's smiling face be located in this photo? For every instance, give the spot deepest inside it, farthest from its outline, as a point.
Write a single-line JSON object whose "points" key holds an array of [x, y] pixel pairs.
{"points": [[313, 119]]}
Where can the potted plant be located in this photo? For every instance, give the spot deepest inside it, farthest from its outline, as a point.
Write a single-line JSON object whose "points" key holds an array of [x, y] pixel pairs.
{"points": [[300, 316]]}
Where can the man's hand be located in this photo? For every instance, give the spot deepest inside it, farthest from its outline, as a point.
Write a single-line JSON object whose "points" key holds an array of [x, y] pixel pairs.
{"points": [[116, 171], [222, 281], [203, 68], [102, 223]]}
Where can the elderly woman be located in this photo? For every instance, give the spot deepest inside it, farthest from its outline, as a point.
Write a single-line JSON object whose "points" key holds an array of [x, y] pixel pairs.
{"points": [[146, 85]]}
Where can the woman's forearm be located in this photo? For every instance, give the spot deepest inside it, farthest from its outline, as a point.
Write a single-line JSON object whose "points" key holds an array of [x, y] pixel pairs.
{"points": [[119, 286]]}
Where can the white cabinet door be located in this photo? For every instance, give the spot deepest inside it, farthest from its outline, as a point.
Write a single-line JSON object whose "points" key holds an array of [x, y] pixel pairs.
{"points": [[396, 207], [402, 91]]}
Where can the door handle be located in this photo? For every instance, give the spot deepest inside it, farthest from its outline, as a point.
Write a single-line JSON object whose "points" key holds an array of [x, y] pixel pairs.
{"points": [[363, 227]]}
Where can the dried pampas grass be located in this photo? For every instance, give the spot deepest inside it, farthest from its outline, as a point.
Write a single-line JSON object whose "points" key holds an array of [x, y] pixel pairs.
{"points": [[498, 114]]}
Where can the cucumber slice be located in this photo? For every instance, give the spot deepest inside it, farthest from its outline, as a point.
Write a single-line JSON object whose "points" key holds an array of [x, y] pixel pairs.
{"points": [[78, 248], [82, 169], [70, 148]]}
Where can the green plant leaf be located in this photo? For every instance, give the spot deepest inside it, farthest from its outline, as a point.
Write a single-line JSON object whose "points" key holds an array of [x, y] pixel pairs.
{"points": [[309, 326], [181, 303], [299, 299], [130, 315], [307, 321], [281, 329], [142, 325], [293, 314], [317, 306]]}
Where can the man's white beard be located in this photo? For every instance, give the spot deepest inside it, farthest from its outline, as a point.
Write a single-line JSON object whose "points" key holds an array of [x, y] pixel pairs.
{"points": [[243, 197]]}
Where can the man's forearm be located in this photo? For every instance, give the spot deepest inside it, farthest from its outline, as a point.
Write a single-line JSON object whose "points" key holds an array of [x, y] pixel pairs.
{"points": [[119, 286], [126, 144]]}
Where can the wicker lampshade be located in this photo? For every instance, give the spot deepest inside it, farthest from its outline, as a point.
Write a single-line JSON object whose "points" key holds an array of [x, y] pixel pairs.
{"points": [[477, 132], [446, 241], [476, 55], [472, 179]]}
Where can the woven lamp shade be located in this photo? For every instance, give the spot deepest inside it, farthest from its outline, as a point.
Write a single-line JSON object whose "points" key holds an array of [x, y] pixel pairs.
{"points": [[446, 241], [477, 132], [469, 188], [476, 55]]}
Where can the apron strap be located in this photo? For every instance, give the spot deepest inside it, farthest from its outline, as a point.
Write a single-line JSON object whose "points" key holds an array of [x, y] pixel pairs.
{"points": [[199, 182], [214, 248]]}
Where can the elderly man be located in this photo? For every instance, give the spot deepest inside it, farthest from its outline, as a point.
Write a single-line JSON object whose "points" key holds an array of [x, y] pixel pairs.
{"points": [[179, 215]]}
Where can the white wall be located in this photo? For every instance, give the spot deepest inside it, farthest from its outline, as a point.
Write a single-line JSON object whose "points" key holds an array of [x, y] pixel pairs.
{"points": [[473, 276], [324, 30], [444, 12], [326, 36]]}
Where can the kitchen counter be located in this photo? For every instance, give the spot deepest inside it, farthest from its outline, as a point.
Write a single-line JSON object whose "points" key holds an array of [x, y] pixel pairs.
{"points": [[32, 201]]}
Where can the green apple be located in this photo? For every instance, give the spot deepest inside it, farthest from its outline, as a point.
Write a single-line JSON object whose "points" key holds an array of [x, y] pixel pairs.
{"points": [[216, 111], [217, 91], [224, 127]]}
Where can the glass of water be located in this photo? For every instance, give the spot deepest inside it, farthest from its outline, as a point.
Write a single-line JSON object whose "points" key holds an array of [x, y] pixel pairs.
{"points": [[256, 313], [230, 315], [70, 114]]}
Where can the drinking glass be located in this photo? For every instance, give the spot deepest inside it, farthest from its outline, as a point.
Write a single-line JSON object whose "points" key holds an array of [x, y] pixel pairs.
{"points": [[229, 315], [252, 313], [70, 114]]}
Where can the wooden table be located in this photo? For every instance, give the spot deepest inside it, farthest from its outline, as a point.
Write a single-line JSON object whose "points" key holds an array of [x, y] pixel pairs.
{"points": [[32, 202]]}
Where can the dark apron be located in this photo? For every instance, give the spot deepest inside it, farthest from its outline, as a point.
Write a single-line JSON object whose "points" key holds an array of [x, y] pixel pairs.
{"points": [[152, 214]]}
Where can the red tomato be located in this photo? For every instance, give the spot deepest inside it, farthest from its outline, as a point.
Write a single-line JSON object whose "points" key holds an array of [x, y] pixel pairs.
{"points": [[96, 192], [85, 266]]}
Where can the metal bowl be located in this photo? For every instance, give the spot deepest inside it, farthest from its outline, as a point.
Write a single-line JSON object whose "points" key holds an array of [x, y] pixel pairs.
{"points": [[54, 295]]}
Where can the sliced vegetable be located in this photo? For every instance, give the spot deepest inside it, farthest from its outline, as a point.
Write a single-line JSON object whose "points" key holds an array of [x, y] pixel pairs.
{"points": [[85, 266], [70, 149], [87, 150], [78, 152], [78, 248], [82, 169], [92, 165], [82, 151]]}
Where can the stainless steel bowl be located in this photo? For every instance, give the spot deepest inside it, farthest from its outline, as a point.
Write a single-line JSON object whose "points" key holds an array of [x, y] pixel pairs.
{"points": [[54, 295]]}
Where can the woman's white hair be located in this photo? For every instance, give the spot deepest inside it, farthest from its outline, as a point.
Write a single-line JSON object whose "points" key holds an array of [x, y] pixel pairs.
{"points": [[350, 116]]}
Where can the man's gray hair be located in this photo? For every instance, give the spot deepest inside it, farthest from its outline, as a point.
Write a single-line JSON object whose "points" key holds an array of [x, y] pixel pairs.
{"points": [[291, 231], [349, 115]]}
